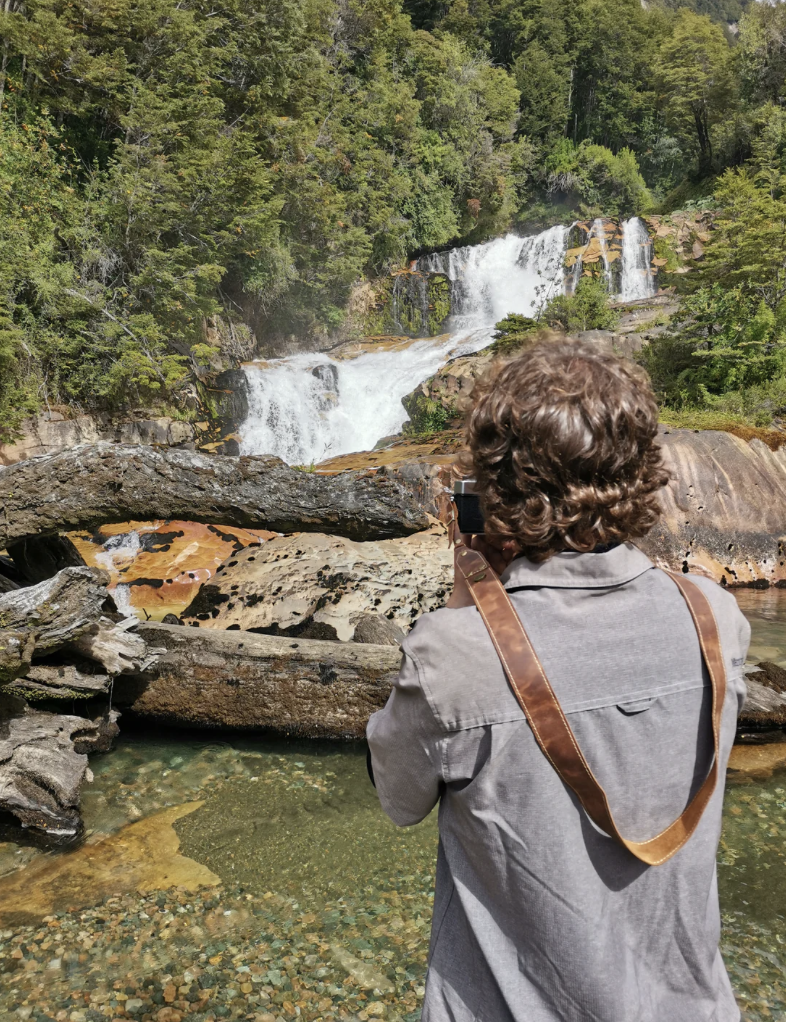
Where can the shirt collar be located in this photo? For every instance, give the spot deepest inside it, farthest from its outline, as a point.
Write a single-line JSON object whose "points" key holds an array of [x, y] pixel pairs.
{"points": [[571, 570]]}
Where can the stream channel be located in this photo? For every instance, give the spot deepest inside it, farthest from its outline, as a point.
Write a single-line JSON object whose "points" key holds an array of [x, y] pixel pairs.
{"points": [[258, 879]]}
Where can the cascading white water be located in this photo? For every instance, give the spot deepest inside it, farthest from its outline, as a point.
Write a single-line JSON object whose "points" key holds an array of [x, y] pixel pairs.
{"points": [[509, 274], [638, 278], [309, 407]]}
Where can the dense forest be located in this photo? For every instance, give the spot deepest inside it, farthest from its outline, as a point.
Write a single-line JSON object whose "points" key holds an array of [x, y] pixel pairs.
{"points": [[166, 161]]}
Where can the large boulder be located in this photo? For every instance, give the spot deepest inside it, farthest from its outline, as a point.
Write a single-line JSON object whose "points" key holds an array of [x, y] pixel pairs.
{"points": [[320, 586], [438, 401], [723, 510]]}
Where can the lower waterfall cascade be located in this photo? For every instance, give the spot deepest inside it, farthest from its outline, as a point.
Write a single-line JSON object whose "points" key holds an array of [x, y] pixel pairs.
{"points": [[308, 407]]}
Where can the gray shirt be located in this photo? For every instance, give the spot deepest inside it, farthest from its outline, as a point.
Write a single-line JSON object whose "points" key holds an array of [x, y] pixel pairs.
{"points": [[538, 915]]}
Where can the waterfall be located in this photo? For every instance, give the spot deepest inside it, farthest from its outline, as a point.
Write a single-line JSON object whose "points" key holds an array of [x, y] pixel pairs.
{"points": [[638, 278], [309, 407], [597, 234], [510, 274]]}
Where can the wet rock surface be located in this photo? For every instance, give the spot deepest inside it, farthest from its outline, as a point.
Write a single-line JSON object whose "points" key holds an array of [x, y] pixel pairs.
{"points": [[723, 509], [156, 568]]}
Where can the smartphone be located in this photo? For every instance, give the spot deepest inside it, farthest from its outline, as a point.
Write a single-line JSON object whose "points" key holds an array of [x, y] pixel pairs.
{"points": [[468, 513]]}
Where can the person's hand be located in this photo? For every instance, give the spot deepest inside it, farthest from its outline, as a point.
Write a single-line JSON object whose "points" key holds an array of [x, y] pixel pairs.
{"points": [[499, 551]]}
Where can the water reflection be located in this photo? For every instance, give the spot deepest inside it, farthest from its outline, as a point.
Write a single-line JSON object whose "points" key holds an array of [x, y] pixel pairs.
{"points": [[766, 611], [259, 880]]}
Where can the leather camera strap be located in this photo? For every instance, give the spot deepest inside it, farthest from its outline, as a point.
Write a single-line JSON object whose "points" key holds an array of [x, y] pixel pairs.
{"points": [[550, 725]]}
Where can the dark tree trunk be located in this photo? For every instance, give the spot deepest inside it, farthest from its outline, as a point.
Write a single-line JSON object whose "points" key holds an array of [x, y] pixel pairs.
{"points": [[96, 484], [705, 141]]}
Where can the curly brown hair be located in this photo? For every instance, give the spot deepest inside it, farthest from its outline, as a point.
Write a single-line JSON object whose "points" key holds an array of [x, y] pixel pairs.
{"points": [[562, 445]]}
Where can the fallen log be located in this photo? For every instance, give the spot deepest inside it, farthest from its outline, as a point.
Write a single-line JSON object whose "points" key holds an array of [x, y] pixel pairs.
{"points": [[211, 678], [48, 616], [97, 484], [43, 761], [61, 681]]}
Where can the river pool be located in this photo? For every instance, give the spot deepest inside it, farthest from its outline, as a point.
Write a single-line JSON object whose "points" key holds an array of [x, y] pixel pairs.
{"points": [[258, 879]]}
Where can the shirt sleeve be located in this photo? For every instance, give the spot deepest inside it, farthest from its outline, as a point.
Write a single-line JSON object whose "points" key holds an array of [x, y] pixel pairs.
{"points": [[406, 746]]}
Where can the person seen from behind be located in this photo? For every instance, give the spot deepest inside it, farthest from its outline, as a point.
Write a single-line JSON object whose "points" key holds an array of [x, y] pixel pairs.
{"points": [[575, 731]]}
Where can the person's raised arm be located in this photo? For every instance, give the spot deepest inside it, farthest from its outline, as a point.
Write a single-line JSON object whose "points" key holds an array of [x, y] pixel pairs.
{"points": [[406, 747]]}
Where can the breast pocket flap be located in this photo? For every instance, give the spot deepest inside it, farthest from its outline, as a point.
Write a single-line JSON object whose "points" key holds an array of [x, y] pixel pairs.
{"points": [[636, 705]]}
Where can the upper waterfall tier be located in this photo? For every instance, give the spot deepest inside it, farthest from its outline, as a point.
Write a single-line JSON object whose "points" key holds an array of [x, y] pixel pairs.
{"points": [[510, 274], [309, 407]]}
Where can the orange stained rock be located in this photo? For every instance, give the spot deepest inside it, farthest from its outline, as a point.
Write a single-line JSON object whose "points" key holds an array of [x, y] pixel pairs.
{"points": [[161, 564], [757, 762], [143, 856]]}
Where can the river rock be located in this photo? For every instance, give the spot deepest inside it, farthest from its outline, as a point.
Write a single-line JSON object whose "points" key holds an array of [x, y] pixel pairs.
{"points": [[292, 581], [377, 630], [439, 401]]}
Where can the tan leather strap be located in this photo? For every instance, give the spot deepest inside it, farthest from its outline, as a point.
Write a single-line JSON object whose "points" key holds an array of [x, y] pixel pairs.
{"points": [[550, 725]]}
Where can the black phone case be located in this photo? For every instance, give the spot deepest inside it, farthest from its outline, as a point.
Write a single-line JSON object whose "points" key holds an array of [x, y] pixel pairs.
{"points": [[468, 513]]}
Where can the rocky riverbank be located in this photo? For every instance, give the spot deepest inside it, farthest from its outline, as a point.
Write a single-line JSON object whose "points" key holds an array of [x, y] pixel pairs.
{"points": [[276, 615]]}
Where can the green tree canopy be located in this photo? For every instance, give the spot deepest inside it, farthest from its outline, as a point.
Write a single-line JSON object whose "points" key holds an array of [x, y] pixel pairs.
{"points": [[695, 81]]}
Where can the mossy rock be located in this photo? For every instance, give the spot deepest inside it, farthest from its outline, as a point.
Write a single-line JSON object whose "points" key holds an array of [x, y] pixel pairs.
{"points": [[664, 249], [411, 304], [225, 400], [427, 415]]}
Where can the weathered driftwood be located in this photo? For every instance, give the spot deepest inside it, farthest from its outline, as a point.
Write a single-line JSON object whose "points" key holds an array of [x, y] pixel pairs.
{"points": [[211, 678], [43, 755], [63, 681], [116, 646], [765, 706], [43, 760], [42, 618], [95, 484]]}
